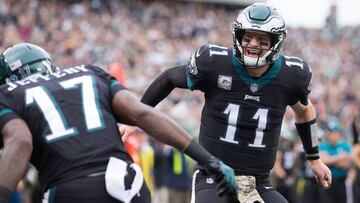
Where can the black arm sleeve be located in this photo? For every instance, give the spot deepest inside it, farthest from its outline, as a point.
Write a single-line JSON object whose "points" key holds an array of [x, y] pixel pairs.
{"points": [[308, 136], [164, 84]]}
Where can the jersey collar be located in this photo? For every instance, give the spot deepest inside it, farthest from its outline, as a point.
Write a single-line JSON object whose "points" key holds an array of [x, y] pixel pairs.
{"points": [[256, 84]]}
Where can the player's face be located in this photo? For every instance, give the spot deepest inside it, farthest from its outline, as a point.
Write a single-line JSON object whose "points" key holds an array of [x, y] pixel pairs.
{"points": [[255, 44], [334, 137]]}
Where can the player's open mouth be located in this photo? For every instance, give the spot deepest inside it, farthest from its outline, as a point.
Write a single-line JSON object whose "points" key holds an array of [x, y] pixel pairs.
{"points": [[253, 52]]}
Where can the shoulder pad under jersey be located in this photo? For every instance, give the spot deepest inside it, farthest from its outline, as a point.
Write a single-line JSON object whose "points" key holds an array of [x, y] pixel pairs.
{"points": [[203, 57]]}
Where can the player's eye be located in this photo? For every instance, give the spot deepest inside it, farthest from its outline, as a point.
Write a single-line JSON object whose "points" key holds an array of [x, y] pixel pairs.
{"points": [[264, 43], [246, 39]]}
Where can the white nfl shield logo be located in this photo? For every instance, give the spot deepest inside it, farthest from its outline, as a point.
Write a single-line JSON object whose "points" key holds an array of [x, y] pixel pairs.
{"points": [[254, 87], [224, 82]]}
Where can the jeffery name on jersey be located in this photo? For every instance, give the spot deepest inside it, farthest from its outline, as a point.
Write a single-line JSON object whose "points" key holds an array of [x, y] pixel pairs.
{"points": [[242, 116], [66, 112]]}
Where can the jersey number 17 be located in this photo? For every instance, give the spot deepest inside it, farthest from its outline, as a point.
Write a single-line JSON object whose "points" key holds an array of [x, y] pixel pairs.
{"points": [[54, 115]]}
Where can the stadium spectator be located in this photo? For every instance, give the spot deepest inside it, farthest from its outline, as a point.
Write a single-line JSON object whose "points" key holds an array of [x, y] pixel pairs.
{"points": [[336, 154], [285, 169], [311, 192], [161, 170], [179, 177], [356, 160]]}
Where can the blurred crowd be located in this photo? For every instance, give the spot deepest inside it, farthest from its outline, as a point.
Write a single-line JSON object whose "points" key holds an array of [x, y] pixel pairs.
{"points": [[143, 38]]}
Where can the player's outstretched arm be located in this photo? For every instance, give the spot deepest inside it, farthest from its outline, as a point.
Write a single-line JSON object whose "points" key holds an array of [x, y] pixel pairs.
{"points": [[162, 86], [305, 119], [130, 110], [14, 157]]}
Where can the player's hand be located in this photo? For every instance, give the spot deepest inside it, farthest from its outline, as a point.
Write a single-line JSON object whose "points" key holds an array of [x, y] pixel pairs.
{"points": [[126, 130], [322, 172], [224, 176]]}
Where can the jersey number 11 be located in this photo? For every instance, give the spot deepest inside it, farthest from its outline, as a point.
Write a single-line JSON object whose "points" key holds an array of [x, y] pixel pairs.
{"points": [[233, 111]]}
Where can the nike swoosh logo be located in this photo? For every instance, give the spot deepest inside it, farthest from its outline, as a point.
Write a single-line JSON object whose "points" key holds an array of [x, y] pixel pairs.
{"points": [[197, 53], [267, 187]]}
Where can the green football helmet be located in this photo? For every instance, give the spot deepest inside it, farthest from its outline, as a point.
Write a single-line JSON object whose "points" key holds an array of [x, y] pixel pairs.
{"points": [[24, 60], [259, 17]]}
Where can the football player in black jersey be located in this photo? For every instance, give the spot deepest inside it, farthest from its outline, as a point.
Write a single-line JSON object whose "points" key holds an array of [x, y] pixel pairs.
{"points": [[65, 123], [247, 89]]}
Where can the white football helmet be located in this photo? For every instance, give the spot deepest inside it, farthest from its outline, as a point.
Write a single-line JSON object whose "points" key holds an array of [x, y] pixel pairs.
{"points": [[259, 17]]}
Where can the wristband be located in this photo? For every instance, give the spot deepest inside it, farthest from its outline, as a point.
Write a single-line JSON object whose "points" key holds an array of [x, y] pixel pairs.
{"points": [[312, 154], [307, 133]]}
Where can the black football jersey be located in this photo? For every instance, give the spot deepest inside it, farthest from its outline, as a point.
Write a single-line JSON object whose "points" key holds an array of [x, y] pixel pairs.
{"points": [[242, 116], [70, 116]]}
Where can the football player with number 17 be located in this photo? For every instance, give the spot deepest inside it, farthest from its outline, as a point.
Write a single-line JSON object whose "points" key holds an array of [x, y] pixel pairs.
{"points": [[247, 88], [64, 122]]}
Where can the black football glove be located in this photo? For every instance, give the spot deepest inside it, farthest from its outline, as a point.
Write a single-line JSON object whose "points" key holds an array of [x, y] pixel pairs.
{"points": [[224, 176]]}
